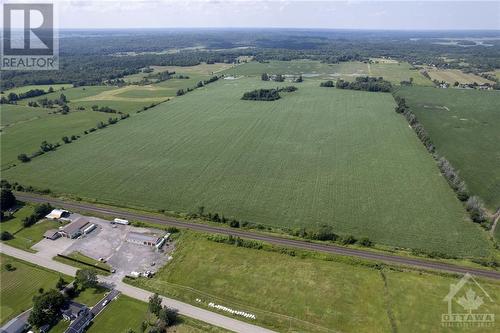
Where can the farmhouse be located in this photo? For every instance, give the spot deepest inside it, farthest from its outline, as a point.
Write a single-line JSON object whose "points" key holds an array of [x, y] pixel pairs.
{"points": [[75, 228], [143, 239]]}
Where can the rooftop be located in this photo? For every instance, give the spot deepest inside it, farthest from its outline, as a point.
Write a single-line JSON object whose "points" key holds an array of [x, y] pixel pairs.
{"points": [[75, 226], [142, 237]]}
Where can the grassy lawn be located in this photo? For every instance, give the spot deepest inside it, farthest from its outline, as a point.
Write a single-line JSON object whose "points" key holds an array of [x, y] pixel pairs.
{"points": [[60, 327], [25, 238], [26, 137], [316, 156], [463, 124], [417, 301], [90, 296], [18, 287], [127, 313], [304, 294], [90, 262]]}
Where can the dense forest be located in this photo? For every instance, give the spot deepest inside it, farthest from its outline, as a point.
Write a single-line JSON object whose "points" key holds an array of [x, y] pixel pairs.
{"points": [[94, 57]]}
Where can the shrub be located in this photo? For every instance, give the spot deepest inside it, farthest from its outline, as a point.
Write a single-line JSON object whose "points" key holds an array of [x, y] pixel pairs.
{"points": [[5, 235]]}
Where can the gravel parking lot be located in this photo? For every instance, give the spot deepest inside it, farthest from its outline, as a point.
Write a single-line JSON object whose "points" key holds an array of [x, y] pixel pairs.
{"points": [[108, 241]]}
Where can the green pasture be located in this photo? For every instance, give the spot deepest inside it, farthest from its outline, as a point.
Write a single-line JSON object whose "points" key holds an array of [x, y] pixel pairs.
{"points": [[464, 126], [304, 293], [393, 72], [26, 136], [44, 87], [317, 156], [11, 114]]}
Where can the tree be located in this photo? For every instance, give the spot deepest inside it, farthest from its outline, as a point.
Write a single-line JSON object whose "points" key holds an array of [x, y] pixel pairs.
{"points": [[46, 308], [51, 90], [264, 77], [154, 305], [7, 199], [23, 158], [167, 316], [5, 235], [63, 99], [87, 278], [60, 283], [475, 207], [65, 139], [9, 267]]}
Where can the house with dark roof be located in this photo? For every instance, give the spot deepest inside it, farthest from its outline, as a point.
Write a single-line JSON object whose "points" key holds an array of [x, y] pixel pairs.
{"points": [[73, 310]]}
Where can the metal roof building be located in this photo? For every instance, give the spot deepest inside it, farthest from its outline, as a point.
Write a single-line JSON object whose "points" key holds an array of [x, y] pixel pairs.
{"points": [[142, 239], [75, 228]]}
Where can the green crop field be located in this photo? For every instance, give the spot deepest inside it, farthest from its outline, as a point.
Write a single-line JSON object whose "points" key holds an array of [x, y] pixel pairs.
{"points": [[44, 87], [316, 156], [13, 114], [25, 136], [393, 71], [304, 294], [112, 319], [19, 286], [463, 124]]}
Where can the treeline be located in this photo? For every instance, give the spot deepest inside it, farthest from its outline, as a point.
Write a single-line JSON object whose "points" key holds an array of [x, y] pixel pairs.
{"points": [[200, 84], [105, 109], [365, 83], [321, 233], [12, 98], [39, 212], [473, 204], [267, 94], [46, 146]]}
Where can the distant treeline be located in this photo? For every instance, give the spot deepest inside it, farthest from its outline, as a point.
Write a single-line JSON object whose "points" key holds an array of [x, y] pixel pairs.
{"points": [[365, 83], [267, 94]]}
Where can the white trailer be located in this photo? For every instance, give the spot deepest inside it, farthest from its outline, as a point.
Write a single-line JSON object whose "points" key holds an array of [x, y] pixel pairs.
{"points": [[89, 229], [120, 221]]}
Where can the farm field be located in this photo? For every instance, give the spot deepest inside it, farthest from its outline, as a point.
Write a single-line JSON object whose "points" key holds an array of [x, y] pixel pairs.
{"points": [[44, 87], [19, 286], [112, 319], [11, 114], [302, 293], [391, 71], [452, 75], [26, 136], [463, 124], [317, 156], [201, 69]]}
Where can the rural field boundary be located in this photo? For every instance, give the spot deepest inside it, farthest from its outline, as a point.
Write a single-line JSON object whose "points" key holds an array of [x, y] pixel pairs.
{"points": [[327, 248]]}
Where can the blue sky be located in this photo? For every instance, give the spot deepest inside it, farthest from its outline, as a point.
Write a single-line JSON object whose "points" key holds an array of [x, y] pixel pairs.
{"points": [[409, 15]]}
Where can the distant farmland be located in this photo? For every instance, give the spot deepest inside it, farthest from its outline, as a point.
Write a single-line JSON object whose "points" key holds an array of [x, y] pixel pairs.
{"points": [[464, 125], [27, 127], [316, 156], [392, 71]]}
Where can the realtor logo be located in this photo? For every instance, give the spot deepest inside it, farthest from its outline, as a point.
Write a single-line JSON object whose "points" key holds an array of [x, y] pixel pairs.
{"points": [[467, 302], [29, 41]]}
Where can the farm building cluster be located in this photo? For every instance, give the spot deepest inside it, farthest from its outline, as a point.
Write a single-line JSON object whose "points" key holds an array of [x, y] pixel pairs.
{"points": [[77, 227]]}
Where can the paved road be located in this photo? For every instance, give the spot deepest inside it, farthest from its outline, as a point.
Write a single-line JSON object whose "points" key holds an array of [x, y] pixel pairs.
{"points": [[140, 294], [96, 309], [365, 254]]}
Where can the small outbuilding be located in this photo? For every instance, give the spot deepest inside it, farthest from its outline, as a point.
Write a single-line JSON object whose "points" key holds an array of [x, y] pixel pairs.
{"points": [[52, 234], [57, 214], [143, 239]]}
